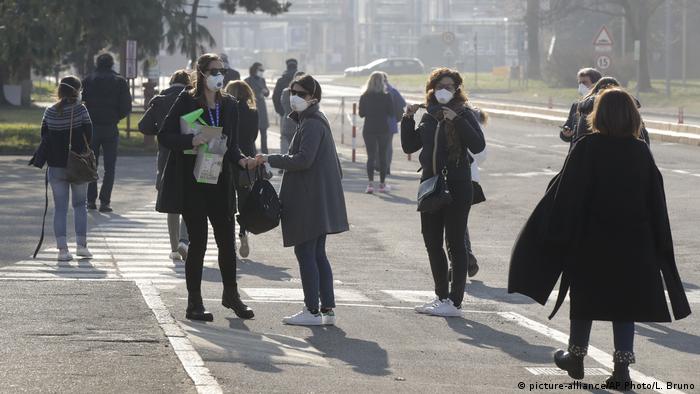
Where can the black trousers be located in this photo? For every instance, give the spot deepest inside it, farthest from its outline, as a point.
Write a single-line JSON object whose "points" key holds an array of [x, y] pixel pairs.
{"points": [[449, 224], [105, 138], [224, 233], [376, 145]]}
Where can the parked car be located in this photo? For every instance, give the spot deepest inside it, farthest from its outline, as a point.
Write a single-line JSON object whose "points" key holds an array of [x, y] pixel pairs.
{"points": [[392, 66]]}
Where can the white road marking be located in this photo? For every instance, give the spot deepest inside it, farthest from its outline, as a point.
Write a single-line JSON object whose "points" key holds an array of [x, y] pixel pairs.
{"points": [[543, 172], [297, 294], [560, 372]]}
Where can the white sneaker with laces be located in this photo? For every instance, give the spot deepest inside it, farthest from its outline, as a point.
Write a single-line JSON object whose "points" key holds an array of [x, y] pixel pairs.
{"points": [[64, 255], [83, 251], [444, 308], [304, 318], [424, 307], [245, 246], [328, 318], [182, 248], [175, 256]]}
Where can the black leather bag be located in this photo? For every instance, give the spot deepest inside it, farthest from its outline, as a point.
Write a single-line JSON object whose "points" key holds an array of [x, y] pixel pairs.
{"points": [[433, 193], [262, 209], [80, 167]]}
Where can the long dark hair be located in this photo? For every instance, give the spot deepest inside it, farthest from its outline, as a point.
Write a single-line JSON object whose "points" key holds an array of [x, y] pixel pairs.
{"points": [[67, 92], [200, 83]]}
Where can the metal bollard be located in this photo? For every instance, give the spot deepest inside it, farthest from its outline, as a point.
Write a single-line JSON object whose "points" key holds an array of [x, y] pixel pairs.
{"points": [[550, 103], [354, 130], [680, 115], [342, 120]]}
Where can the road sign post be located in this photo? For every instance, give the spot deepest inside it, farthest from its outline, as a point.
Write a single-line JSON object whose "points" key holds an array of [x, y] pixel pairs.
{"points": [[603, 48]]}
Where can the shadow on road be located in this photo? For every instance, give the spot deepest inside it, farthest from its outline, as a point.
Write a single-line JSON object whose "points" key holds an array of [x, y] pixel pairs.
{"points": [[365, 357]]}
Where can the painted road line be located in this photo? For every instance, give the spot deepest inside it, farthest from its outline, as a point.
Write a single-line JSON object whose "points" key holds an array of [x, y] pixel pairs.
{"points": [[297, 294]]}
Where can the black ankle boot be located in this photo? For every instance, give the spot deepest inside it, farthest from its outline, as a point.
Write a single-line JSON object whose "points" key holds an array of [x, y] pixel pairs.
{"points": [[195, 308], [232, 300], [571, 361], [620, 379]]}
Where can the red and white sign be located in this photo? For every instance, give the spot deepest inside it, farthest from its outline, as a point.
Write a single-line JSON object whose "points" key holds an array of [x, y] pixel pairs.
{"points": [[603, 62], [603, 41], [130, 52]]}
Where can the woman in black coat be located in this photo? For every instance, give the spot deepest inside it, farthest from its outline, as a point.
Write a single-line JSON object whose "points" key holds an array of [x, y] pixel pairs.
{"points": [[603, 225], [376, 107], [181, 193], [446, 132]]}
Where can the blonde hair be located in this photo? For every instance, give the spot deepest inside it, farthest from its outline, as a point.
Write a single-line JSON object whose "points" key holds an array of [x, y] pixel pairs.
{"points": [[242, 92], [375, 83]]}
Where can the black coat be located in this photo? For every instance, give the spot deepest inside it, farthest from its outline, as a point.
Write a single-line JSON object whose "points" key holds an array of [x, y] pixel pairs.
{"points": [[603, 225], [178, 179], [107, 97], [282, 83], [571, 122], [247, 129], [158, 109], [376, 108]]}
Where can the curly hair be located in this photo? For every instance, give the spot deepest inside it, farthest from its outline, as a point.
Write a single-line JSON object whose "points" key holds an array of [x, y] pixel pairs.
{"points": [[436, 76]]}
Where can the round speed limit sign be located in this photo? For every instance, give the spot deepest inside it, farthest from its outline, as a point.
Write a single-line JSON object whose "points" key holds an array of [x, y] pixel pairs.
{"points": [[603, 62]]}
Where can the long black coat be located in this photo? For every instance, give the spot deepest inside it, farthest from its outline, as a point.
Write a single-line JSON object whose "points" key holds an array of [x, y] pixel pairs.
{"points": [[177, 174], [603, 225]]}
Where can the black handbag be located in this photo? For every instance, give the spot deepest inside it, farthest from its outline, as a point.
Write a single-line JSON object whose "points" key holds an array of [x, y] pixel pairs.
{"points": [[477, 193], [262, 209], [433, 193], [80, 167]]}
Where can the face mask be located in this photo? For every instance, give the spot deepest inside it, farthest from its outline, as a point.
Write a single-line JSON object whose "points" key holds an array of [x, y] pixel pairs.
{"points": [[215, 82], [443, 96], [298, 104], [260, 73], [582, 89]]}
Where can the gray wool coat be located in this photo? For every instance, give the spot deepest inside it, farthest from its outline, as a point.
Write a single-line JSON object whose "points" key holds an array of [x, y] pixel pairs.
{"points": [[313, 203], [289, 127]]}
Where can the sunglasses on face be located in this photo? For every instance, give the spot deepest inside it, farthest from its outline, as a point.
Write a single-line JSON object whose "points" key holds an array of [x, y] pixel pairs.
{"points": [[216, 71], [298, 93]]}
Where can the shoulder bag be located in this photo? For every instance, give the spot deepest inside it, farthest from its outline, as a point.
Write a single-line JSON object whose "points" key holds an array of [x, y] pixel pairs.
{"points": [[80, 167], [433, 193]]}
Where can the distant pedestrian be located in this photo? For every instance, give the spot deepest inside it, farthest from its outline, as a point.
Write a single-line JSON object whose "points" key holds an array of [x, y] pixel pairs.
{"points": [[150, 124], [603, 226], [393, 120], [446, 134], [313, 201], [288, 125], [66, 126], [181, 193], [247, 134], [377, 107], [281, 84], [587, 77], [231, 73], [108, 100], [256, 81]]}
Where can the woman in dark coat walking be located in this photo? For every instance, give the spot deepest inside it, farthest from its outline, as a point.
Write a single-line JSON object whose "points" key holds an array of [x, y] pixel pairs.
{"points": [[603, 225], [376, 107], [312, 199], [181, 193], [256, 81], [447, 132]]}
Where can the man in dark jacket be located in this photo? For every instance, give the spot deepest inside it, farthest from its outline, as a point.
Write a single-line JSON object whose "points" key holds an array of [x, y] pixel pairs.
{"points": [[231, 74], [587, 77], [282, 83], [107, 98]]}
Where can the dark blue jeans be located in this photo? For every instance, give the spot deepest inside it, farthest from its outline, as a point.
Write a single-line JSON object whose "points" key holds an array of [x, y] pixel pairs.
{"points": [[105, 138], [316, 273], [623, 334]]}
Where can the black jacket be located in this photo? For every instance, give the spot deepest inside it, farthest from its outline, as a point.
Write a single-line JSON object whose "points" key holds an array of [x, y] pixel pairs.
{"points": [[282, 83], [571, 122], [247, 129], [231, 75], [377, 108], [423, 137], [107, 97], [603, 225], [158, 109], [178, 184]]}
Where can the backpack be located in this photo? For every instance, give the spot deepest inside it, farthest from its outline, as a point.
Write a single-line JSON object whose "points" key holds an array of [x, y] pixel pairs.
{"points": [[262, 209]]}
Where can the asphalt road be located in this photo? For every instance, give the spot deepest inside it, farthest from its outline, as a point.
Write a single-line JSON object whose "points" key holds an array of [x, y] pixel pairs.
{"points": [[381, 272]]}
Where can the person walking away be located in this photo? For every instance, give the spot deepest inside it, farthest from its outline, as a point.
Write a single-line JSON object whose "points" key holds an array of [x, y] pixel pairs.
{"points": [[587, 77], [313, 201], [231, 73], [66, 126], [603, 226], [399, 105], [150, 124], [277, 100], [247, 134], [181, 193], [376, 107], [445, 134], [288, 126], [108, 100], [256, 81]]}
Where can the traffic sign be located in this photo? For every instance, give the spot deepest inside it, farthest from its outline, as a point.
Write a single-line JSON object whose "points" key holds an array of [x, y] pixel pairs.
{"points": [[448, 37], [603, 38], [603, 62]]}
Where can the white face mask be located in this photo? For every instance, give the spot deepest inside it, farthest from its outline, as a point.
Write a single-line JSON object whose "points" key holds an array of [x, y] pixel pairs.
{"points": [[261, 73], [443, 96], [582, 89], [298, 104], [215, 82]]}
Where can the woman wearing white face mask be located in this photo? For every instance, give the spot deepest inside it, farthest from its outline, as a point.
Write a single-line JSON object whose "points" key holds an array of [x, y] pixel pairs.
{"points": [[312, 199], [445, 135], [181, 193], [257, 82]]}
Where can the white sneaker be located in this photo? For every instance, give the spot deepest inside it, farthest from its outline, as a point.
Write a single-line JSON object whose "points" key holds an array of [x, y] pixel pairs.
{"points": [[304, 318], [175, 256], [83, 251], [384, 188], [182, 248], [328, 318], [64, 255], [245, 247], [444, 308], [424, 308]]}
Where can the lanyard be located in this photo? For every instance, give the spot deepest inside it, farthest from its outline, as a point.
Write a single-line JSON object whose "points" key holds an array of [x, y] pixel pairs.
{"points": [[211, 116]]}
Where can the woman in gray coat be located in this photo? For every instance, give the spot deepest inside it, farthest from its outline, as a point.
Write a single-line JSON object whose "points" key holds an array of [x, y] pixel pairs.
{"points": [[256, 81], [312, 199]]}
